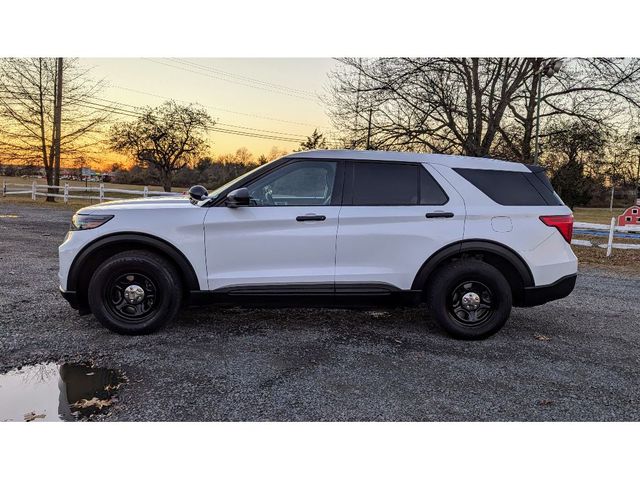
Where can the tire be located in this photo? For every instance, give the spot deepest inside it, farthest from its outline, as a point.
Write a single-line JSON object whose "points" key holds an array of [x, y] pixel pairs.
{"points": [[461, 314], [135, 292]]}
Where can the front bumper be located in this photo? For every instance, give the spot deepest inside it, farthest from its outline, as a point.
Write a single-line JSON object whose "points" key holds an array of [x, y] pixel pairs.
{"points": [[75, 301], [71, 297], [559, 289]]}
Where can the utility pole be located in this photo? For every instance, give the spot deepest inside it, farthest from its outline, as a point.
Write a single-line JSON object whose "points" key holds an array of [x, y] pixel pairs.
{"points": [[355, 123], [369, 129], [637, 142], [535, 155], [549, 69], [57, 121]]}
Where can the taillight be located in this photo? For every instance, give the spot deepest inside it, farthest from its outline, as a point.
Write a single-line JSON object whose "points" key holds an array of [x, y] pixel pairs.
{"points": [[564, 224]]}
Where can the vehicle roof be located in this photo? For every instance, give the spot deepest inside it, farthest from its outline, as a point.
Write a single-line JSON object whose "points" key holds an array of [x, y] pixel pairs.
{"points": [[452, 161]]}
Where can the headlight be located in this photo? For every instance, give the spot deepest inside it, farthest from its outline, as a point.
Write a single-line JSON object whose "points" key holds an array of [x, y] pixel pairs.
{"points": [[87, 222]]}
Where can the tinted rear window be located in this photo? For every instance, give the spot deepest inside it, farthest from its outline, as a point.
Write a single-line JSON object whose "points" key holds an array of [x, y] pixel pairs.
{"points": [[378, 183], [385, 184], [512, 188]]}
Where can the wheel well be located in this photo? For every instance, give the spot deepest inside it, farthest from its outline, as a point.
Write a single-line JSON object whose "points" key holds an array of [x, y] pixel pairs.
{"points": [[94, 254], [506, 261]]}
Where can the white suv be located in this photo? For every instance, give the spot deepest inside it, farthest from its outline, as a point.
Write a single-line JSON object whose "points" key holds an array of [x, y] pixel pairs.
{"points": [[470, 237]]}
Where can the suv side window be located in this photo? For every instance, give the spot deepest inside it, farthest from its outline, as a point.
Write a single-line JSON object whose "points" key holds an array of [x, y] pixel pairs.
{"points": [[388, 184], [512, 188], [304, 183], [430, 192], [380, 183]]}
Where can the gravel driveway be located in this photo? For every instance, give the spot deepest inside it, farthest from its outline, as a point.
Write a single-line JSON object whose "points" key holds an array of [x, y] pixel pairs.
{"points": [[574, 359]]}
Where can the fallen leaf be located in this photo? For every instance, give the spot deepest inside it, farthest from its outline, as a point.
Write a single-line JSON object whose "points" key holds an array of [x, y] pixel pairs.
{"points": [[542, 338], [31, 416], [545, 402], [94, 402]]}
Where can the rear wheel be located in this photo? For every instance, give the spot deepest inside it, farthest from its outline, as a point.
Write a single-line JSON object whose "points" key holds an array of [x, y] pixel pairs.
{"points": [[470, 299], [135, 292]]}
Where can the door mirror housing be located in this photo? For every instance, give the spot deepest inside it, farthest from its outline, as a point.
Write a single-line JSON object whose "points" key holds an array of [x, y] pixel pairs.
{"points": [[238, 198], [197, 193]]}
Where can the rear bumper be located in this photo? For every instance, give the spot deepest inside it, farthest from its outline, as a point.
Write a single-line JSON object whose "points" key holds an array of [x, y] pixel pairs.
{"points": [[538, 295]]}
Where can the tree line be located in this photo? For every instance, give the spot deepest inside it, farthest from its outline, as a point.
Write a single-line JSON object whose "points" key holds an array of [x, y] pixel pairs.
{"points": [[583, 111], [50, 108]]}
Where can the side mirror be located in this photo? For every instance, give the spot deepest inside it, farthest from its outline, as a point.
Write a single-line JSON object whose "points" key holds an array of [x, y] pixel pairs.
{"points": [[238, 198], [197, 193]]}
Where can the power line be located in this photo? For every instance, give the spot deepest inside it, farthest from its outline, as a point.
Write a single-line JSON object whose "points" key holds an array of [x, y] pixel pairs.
{"points": [[111, 107], [218, 77], [212, 125], [273, 119], [231, 131], [243, 77], [216, 122]]}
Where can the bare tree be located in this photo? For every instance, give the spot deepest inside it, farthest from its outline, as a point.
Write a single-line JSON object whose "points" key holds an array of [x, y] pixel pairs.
{"points": [[601, 93], [446, 105], [42, 118], [475, 106], [168, 138]]}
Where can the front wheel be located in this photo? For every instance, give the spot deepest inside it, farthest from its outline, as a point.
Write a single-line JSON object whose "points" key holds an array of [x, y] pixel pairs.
{"points": [[470, 299], [135, 292]]}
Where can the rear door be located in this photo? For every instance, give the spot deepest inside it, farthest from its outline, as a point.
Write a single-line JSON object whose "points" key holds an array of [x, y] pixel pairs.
{"points": [[395, 215]]}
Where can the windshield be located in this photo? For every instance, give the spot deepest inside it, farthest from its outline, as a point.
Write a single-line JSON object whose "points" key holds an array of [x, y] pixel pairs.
{"points": [[213, 195]]}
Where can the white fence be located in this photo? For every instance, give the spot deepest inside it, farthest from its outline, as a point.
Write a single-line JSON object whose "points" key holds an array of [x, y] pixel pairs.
{"points": [[36, 190], [584, 228]]}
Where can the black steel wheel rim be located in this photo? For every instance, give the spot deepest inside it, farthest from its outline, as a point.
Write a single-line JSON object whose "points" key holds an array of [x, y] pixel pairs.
{"points": [[132, 297], [471, 303]]}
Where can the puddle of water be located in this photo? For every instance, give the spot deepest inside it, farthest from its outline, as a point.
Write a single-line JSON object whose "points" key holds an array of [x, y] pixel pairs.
{"points": [[52, 392]]}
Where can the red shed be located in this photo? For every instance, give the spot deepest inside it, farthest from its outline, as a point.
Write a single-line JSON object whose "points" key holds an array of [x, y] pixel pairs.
{"points": [[631, 216]]}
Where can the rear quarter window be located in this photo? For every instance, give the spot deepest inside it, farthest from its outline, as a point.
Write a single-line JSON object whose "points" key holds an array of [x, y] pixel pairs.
{"points": [[512, 188]]}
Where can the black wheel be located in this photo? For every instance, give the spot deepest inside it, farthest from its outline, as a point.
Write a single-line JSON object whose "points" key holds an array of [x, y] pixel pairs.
{"points": [[470, 299], [135, 292]]}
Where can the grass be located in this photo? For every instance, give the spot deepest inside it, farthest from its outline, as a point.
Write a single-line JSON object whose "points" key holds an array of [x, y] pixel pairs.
{"points": [[626, 261], [600, 240], [596, 215]]}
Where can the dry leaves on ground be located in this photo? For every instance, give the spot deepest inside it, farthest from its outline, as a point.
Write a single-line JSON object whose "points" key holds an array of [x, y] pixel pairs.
{"points": [[94, 402], [542, 338], [31, 416]]}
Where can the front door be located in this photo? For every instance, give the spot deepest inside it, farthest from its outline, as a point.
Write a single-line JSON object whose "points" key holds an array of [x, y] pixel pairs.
{"points": [[285, 241]]}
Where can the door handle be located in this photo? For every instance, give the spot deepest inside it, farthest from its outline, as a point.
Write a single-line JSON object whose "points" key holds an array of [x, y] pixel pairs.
{"points": [[439, 215], [311, 218]]}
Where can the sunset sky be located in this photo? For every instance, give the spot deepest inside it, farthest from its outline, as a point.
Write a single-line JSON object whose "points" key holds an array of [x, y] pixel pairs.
{"points": [[266, 97]]}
